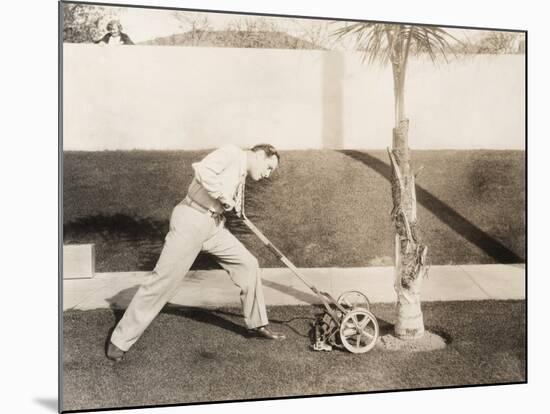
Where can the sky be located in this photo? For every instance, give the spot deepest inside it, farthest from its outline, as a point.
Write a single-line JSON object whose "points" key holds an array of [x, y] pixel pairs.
{"points": [[144, 24]]}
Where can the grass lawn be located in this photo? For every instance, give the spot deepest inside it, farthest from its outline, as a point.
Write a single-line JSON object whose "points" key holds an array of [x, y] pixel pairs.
{"points": [[322, 208], [196, 355]]}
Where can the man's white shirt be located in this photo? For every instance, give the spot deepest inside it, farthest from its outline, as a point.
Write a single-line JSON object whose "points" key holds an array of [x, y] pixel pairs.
{"points": [[221, 172]]}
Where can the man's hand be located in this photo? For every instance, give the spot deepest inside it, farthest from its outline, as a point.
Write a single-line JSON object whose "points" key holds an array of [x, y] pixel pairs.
{"points": [[232, 206], [228, 206]]}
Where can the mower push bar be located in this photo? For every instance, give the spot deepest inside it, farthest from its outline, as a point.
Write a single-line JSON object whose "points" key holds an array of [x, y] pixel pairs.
{"points": [[338, 325], [324, 296]]}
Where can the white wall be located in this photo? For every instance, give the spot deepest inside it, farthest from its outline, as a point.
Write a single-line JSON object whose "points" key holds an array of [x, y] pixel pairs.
{"points": [[190, 98], [475, 102]]}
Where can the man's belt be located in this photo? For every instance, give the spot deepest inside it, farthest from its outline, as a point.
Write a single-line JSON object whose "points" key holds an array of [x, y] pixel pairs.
{"points": [[200, 208]]}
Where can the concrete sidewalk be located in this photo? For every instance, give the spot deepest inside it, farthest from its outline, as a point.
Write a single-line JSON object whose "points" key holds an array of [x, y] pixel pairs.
{"points": [[214, 288]]}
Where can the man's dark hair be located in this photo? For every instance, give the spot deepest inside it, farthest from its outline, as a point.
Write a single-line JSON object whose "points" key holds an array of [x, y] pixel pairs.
{"points": [[268, 149]]}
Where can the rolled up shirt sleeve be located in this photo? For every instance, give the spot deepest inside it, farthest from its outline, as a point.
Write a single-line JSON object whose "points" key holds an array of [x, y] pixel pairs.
{"points": [[209, 172]]}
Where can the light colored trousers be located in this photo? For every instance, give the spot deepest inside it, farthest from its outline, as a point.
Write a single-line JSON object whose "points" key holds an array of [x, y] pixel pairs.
{"points": [[190, 233]]}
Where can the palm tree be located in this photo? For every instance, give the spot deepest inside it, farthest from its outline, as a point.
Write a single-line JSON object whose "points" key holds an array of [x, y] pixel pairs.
{"points": [[395, 43]]}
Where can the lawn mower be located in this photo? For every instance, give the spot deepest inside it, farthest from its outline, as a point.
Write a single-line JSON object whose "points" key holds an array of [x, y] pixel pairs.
{"points": [[346, 322]]}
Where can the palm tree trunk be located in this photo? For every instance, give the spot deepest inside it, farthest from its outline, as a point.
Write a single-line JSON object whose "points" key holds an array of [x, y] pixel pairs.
{"points": [[410, 253]]}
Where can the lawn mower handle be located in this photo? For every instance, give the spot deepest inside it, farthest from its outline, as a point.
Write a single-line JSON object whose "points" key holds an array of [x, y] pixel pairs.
{"points": [[326, 298], [339, 315], [277, 252]]}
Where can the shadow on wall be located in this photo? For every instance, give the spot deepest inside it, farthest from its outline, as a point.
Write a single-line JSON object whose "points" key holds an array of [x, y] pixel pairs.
{"points": [[445, 213], [332, 123]]}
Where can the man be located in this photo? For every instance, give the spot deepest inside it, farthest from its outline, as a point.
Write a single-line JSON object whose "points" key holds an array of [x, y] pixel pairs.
{"points": [[115, 36], [197, 224]]}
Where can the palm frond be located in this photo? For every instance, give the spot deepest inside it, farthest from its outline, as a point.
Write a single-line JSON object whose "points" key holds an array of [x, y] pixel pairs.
{"points": [[378, 40], [436, 42], [423, 44], [369, 38]]}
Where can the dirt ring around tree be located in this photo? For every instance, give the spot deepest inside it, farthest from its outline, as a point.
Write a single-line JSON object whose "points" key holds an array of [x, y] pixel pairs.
{"points": [[428, 342]]}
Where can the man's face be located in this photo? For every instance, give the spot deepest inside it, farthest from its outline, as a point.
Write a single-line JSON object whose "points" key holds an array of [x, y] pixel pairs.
{"points": [[262, 166]]}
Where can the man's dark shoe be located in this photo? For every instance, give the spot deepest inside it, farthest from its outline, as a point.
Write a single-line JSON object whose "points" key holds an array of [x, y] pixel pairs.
{"points": [[114, 352], [266, 333]]}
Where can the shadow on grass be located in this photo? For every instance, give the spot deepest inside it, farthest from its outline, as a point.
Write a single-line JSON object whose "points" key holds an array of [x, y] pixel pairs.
{"points": [[119, 227], [145, 237], [211, 317], [442, 332], [445, 213], [223, 318], [119, 302], [137, 242]]}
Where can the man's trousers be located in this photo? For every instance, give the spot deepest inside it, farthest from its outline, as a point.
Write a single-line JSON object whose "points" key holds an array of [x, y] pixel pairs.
{"points": [[190, 233]]}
